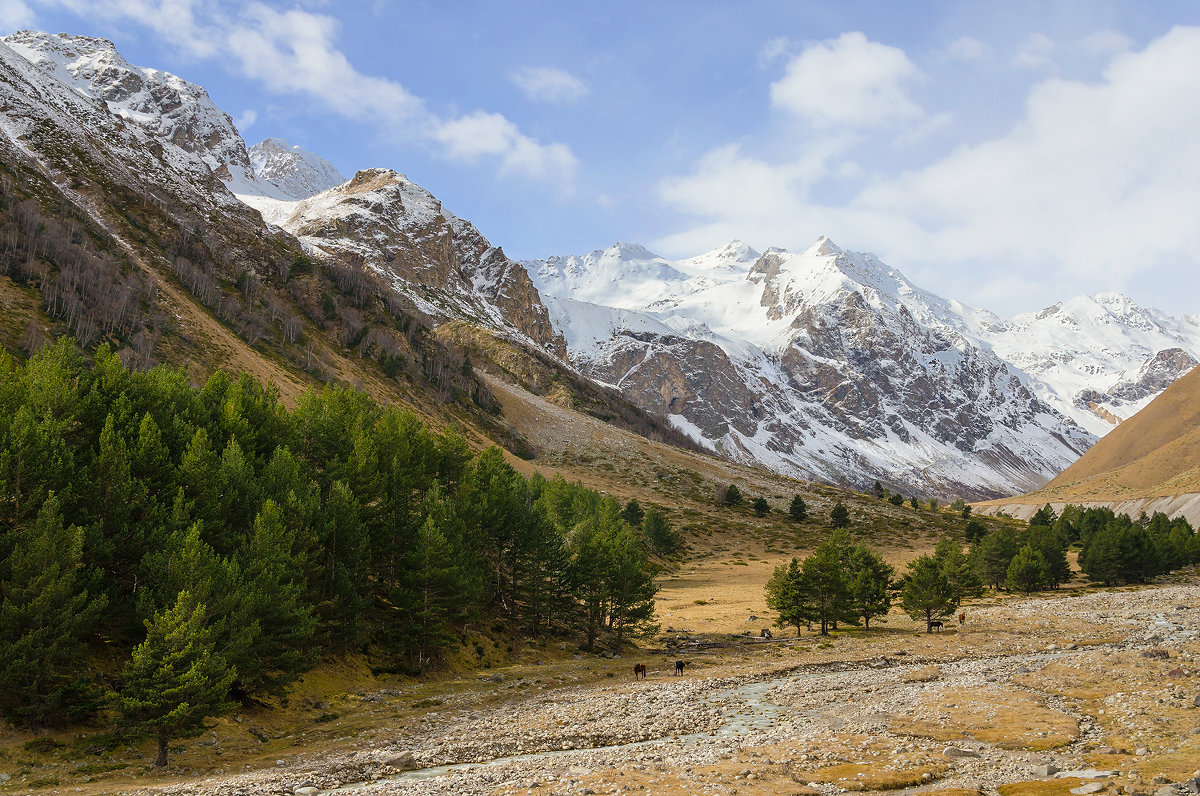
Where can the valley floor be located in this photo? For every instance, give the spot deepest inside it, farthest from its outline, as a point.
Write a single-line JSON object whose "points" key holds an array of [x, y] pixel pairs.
{"points": [[1102, 685]]}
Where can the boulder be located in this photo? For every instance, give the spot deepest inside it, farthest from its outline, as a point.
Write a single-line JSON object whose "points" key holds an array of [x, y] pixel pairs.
{"points": [[1045, 770], [956, 751], [404, 761]]}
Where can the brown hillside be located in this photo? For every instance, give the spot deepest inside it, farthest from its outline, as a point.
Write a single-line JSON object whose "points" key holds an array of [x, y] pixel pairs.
{"points": [[1155, 453]]}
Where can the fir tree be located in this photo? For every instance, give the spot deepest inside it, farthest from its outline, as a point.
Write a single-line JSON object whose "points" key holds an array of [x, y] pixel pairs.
{"points": [[785, 598], [761, 506], [798, 510], [733, 495], [1027, 571], [839, 515], [927, 594], [633, 513], [869, 578], [993, 555], [660, 535], [46, 616], [175, 679]]}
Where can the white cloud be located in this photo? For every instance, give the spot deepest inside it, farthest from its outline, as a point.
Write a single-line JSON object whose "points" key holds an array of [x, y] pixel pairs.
{"points": [[1104, 43], [295, 52], [849, 81], [14, 15], [547, 84], [965, 48], [1034, 52], [1094, 188], [246, 120], [479, 134]]}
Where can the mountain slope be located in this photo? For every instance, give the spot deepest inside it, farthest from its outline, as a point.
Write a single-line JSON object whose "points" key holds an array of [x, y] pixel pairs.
{"points": [[824, 364]]}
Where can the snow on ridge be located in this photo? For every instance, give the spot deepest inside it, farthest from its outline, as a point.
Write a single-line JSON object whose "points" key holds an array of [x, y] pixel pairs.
{"points": [[295, 171]]}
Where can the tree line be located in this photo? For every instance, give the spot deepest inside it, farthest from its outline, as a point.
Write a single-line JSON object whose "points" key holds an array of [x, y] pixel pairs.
{"points": [[222, 543]]}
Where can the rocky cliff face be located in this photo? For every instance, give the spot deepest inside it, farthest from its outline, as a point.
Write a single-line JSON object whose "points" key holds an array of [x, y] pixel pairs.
{"points": [[383, 221]]}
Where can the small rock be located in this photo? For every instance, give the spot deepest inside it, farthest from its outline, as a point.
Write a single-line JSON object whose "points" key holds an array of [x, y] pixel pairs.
{"points": [[496, 678], [1141, 751], [1045, 770], [281, 763], [955, 751], [1176, 672], [1156, 653], [1091, 787], [1196, 701], [306, 790], [1166, 790], [5, 777], [1109, 750]]}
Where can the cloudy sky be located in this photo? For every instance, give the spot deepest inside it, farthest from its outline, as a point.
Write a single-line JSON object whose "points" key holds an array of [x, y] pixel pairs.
{"points": [[1006, 154]]}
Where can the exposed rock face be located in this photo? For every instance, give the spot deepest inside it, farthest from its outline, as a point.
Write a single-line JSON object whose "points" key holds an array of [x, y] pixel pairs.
{"points": [[386, 222], [1157, 374]]}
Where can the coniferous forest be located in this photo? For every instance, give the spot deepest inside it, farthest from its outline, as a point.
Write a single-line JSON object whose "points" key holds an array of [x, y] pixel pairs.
{"points": [[165, 545]]}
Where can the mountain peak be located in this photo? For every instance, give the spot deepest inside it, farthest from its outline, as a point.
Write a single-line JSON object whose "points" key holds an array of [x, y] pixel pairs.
{"points": [[824, 247], [292, 169]]}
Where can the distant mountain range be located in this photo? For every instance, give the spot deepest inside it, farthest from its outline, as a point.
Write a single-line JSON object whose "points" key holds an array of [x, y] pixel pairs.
{"points": [[824, 364]]}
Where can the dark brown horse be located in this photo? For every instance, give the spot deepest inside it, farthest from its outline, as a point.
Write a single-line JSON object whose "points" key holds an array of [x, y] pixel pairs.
{"points": [[639, 669], [936, 624]]}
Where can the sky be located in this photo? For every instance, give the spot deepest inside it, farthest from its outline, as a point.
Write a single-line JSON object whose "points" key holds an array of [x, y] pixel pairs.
{"points": [[1008, 155]]}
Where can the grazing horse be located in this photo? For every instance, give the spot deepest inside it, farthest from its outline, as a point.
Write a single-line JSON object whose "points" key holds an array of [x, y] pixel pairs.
{"points": [[639, 669], [962, 618], [679, 666], [766, 633], [936, 623]]}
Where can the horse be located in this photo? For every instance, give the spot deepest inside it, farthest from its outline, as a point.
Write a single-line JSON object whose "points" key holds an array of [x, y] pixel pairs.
{"points": [[639, 669], [936, 623], [962, 618], [679, 666], [766, 633]]}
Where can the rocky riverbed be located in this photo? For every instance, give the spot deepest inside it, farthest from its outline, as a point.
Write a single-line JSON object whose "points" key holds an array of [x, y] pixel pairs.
{"points": [[1085, 694]]}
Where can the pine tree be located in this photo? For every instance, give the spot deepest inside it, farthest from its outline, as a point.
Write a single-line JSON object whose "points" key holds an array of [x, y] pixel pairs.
{"points": [[46, 616], [271, 597], [957, 568], [993, 555], [733, 495], [927, 594], [878, 490], [824, 587], [1027, 571], [662, 538], [631, 587], [785, 598], [175, 679], [761, 506], [839, 515], [798, 510], [869, 577], [633, 513]]}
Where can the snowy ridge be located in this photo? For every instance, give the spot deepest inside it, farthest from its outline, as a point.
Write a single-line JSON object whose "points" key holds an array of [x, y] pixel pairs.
{"points": [[178, 113], [296, 172], [832, 365]]}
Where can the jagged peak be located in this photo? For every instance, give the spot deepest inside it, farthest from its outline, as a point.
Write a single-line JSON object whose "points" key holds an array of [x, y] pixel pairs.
{"points": [[626, 250], [824, 247]]}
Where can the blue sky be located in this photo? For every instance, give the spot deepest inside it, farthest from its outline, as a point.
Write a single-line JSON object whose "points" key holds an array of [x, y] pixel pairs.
{"points": [[1005, 154]]}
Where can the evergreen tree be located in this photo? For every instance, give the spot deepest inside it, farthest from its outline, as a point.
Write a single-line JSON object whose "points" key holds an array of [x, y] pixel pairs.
{"points": [[46, 616], [869, 577], [927, 594], [434, 600], [631, 587], [798, 510], [662, 538], [956, 566], [824, 587], [975, 531], [933, 505], [993, 555], [878, 490], [761, 506], [1028, 570], [896, 499], [785, 598], [273, 585], [733, 495], [1044, 516], [175, 679], [633, 513], [839, 515], [914, 503]]}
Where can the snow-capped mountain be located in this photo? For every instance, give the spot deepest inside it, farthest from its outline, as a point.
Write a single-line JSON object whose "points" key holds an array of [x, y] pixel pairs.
{"points": [[1096, 359], [382, 220], [831, 364], [295, 171], [179, 115]]}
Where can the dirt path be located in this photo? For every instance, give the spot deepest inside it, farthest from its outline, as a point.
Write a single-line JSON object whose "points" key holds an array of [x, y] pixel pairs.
{"points": [[970, 710]]}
